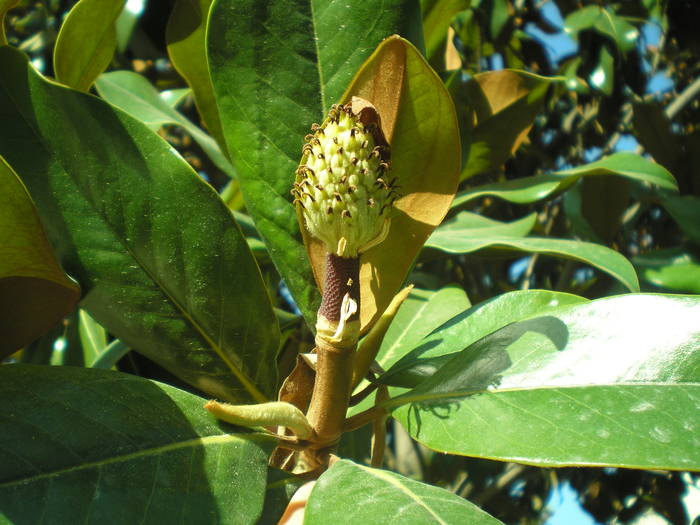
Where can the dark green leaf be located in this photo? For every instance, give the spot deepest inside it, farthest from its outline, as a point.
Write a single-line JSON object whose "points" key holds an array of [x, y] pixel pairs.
{"points": [[281, 486], [653, 131], [604, 200], [276, 68], [499, 18], [605, 22], [612, 382], [374, 495], [162, 263], [686, 212], [91, 446]]}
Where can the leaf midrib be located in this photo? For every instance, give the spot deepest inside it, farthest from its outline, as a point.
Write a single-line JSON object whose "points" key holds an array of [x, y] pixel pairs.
{"points": [[403, 488], [195, 442]]}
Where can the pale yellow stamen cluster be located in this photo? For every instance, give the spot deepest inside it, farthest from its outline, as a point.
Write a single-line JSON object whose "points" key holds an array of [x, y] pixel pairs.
{"points": [[342, 184]]}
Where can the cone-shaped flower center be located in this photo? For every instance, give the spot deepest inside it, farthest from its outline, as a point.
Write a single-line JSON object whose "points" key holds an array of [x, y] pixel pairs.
{"points": [[342, 183]]}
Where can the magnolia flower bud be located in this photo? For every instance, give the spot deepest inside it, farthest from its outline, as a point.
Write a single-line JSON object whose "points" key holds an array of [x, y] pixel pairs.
{"points": [[342, 184]]}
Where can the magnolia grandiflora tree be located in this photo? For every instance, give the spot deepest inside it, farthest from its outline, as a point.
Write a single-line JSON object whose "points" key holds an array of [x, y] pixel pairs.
{"points": [[417, 304]]}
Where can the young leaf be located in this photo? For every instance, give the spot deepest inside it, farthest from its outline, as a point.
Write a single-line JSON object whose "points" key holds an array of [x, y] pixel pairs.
{"points": [[628, 165], [92, 446], [93, 337], [272, 84], [673, 269], [467, 224], [601, 257], [532, 189], [163, 264], [612, 382], [374, 494], [187, 48], [86, 42], [35, 293], [524, 190]]}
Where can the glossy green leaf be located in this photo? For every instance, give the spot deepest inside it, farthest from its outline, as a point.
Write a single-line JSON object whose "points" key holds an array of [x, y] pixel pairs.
{"points": [[685, 211], [603, 76], [531, 189], [569, 69], [426, 355], [599, 256], [92, 446], [472, 225], [5, 6], [521, 191], [672, 269], [605, 22], [187, 48], [421, 312], [35, 292], [505, 104], [109, 357], [612, 382], [272, 80], [374, 495], [652, 128], [126, 22], [93, 337], [175, 97], [499, 18], [136, 95], [437, 15], [86, 42], [163, 265]]}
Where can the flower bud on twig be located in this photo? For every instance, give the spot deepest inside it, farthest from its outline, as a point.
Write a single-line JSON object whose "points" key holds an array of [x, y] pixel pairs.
{"points": [[343, 183]]}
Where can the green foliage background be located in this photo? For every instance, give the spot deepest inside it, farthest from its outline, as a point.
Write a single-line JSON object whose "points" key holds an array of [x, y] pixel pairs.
{"points": [[553, 224]]}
